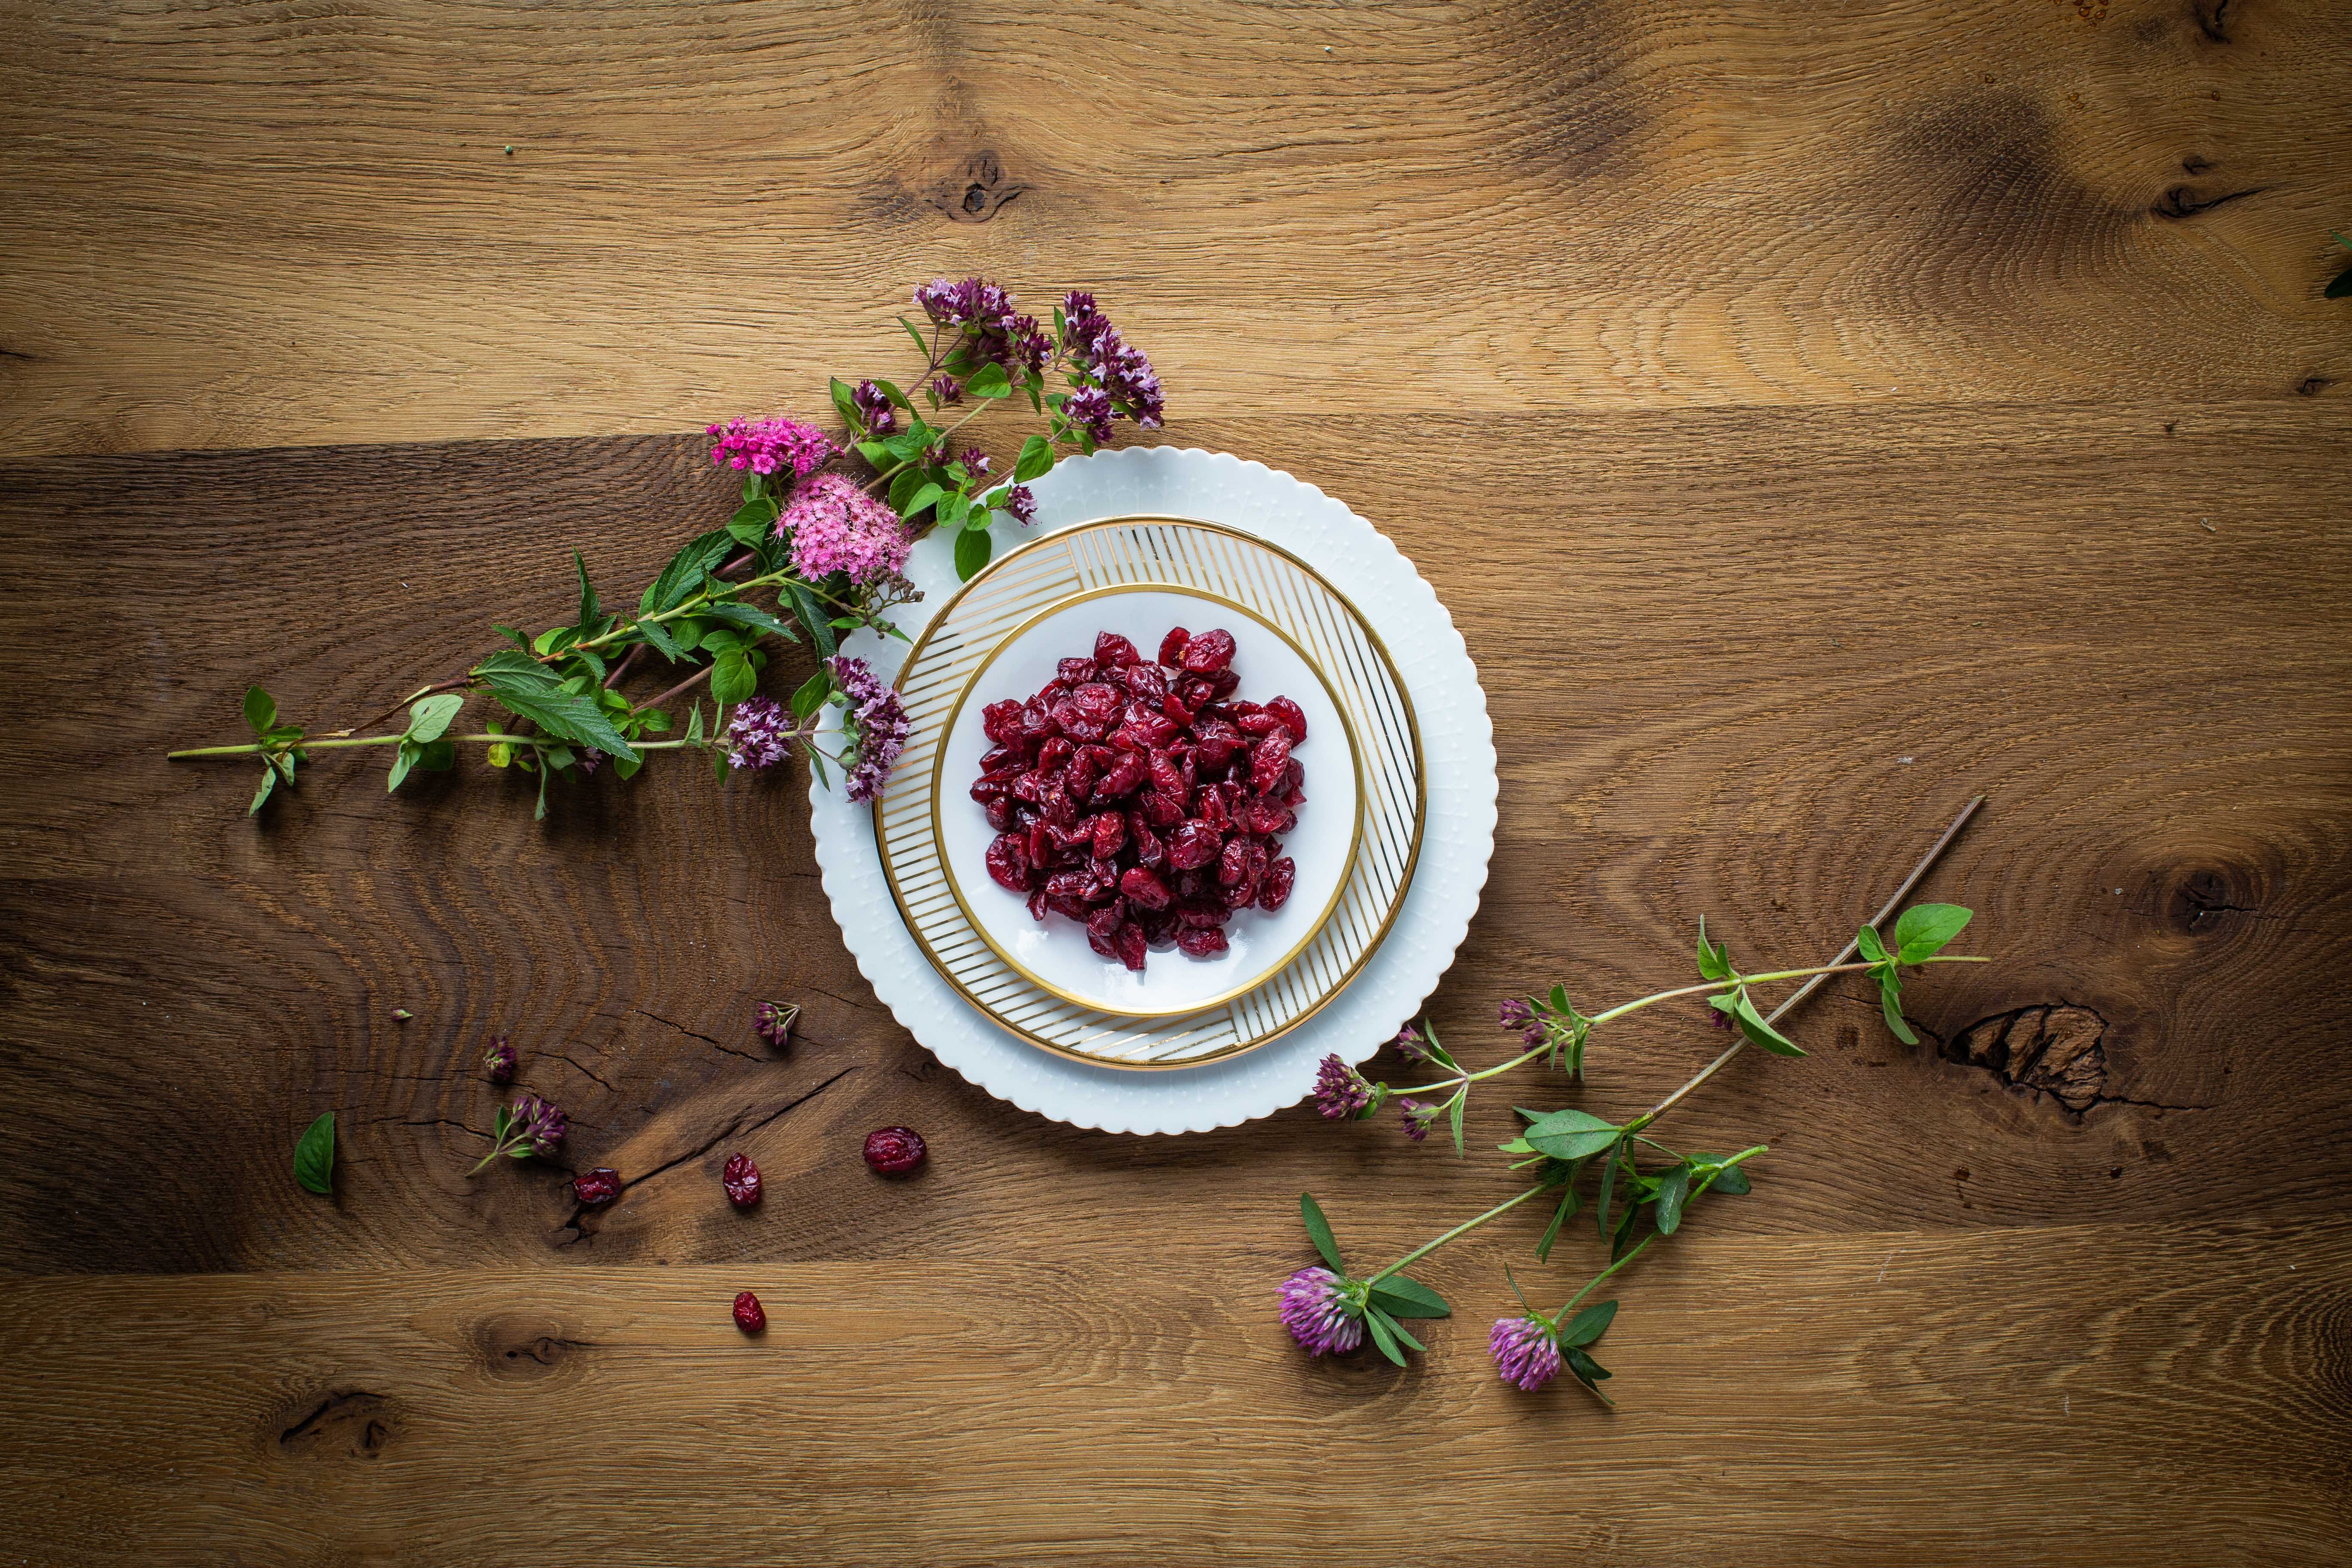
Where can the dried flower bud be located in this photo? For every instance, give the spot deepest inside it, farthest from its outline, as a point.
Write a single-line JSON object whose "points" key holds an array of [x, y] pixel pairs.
{"points": [[499, 1062], [774, 1022]]}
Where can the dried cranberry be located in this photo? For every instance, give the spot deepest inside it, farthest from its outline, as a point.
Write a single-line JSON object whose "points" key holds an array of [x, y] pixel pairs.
{"points": [[1293, 719], [1145, 889], [1210, 651], [1201, 942], [742, 1179], [1269, 759], [1193, 843], [601, 1185], [894, 1151], [1114, 649], [1110, 833], [750, 1316], [1131, 945], [1147, 684], [1074, 671], [1171, 646], [1008, 862], [1274, 888]]}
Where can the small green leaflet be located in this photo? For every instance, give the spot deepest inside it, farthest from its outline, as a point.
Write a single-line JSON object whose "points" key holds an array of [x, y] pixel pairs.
{"points": [[314, 1155], [1570, 1135], [684, 574], [753, 522], [429, 718], [990, 381], [921, 347], [1395, 1329], [260, 709], [1381, 1337], [846, 404], [1673, 1190], [1318, 1231], [1037, 458], [1890, 1002], [1588, 1325], [750, 615], [694, 722], [268, 783], [1752, 1024], [812, 694], [1568, 1202], [1459, 1099], [732, 678], [1403, 1297], [1866, 940], [1586, 1371], [1714, 959], [973, 549], [589, 610], [1925, 928], [805, 610], [1608, 1186]]}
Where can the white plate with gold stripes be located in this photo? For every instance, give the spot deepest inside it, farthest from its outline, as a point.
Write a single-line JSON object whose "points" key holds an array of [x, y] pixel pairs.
{"points": [[1356, 860]]}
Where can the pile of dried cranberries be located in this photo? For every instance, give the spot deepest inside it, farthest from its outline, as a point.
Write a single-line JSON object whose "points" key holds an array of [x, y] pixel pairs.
{"points": [[1141, 798]]}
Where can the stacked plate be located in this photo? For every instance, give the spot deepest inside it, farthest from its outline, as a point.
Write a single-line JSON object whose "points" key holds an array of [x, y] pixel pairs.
{"points": [[1391, 844]]}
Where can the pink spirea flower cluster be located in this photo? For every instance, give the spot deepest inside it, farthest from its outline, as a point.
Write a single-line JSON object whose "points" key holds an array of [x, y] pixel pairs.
{"points": [[834, 526], [772, 446]]}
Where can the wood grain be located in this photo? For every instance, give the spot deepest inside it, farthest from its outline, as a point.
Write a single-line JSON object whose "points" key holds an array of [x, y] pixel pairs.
{"points": [[240, 225], [1810, 419], [1977, 1397]]}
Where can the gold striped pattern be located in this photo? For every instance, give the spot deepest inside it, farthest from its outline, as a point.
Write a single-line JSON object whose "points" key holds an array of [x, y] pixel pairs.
{"points": [[1178, 553]]}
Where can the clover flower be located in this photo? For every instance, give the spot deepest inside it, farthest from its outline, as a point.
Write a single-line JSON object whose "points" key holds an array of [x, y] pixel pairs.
{"points": [[770, 446], [834, 526], [1409, 1040], [1339, 1089], [874, 724], [874, 415], [1515, 1013], [761, 733], [534, 1126], [1316, 1312], [1525, 1351], [1417, 1118]]}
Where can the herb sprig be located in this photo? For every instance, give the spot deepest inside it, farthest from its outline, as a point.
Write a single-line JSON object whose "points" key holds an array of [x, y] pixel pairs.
{"points": [[1590, 1162]]}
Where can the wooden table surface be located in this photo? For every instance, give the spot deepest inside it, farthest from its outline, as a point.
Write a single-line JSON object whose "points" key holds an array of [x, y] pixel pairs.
{"points": [[1812, 416]]}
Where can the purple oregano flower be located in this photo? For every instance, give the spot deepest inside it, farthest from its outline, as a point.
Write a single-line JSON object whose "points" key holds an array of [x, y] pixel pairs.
{"points": [[760, 731], [874, 724], [1340, 1090]]}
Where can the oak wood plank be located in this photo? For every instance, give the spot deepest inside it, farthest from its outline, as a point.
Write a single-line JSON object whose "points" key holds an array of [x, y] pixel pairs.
{"points": [[235, 225], [1746, 664], [2004, 1397]]}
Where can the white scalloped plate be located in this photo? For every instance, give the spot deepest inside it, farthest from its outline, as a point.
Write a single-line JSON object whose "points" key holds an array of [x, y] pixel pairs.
{"points": [[1458, 840]]}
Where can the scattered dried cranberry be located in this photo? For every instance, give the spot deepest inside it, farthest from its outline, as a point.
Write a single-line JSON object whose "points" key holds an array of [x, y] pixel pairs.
{"points": [[750, 1316], [894, 1151], [742, 1179], [1121, 776], [601, 1185]]}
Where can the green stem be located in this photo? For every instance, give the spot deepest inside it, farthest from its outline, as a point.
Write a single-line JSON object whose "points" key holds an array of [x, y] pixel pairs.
{"points": [[985, 404], [1425, 1248], [1589, 1286]]}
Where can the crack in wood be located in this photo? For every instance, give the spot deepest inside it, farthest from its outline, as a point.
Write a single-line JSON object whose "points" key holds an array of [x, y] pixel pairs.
{"points": [[2057, 1048]]}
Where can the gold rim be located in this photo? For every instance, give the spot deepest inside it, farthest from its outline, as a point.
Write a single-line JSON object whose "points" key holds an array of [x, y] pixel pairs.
{"points": [[1396, 683], [939, 802]]}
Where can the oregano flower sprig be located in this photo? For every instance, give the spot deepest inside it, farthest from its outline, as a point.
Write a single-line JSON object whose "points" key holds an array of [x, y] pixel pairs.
{"points": [[810, 552], [1590, 1160]]}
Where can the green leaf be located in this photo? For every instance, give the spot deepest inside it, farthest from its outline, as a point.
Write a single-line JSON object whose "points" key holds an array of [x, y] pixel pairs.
{"points": [[844, 403], [565, 715], [973, 549], [1588, 1325], [732, 678], [1866, 940], [1389, 1321], [404, 759], [1586, 1371], [1752, 1024], [878, 453], [1714, 959], [1459, 1099], [1405, 1297], [1890, 1002], [989, 381], [589, 609], [1383, 1339], [1925, 928], [694, 731], [753, 522], [268, 783], [625, 768], [1568, 1205], [1608, 1190], [1673, 1190], [1730, 1179], [2342, 285], [810, 616], [260, 709], [429, 718], [927, 493], [1318, 1231], [1036, 460], [921, 347], [890, 390], [903, 486], [438, 756], [1570, 1135], [314, 1155], [752, 616], [684, 574], [812, 694]]}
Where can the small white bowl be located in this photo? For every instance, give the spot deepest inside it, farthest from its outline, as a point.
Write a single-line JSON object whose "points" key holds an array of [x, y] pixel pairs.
{"points": [[1053, 954]]}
